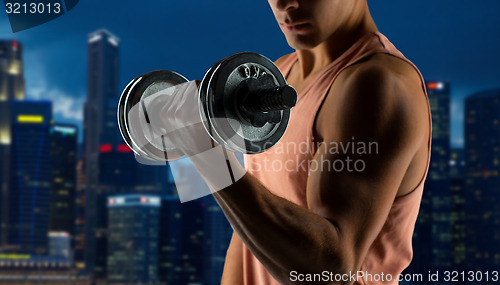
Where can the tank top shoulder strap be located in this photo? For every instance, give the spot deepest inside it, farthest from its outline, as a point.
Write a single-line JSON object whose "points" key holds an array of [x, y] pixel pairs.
{"points": [[378, 43], [287, 63], [391, 49]]}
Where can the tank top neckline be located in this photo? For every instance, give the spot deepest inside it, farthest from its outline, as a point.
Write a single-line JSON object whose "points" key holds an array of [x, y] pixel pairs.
{"points": [[293, 58]]}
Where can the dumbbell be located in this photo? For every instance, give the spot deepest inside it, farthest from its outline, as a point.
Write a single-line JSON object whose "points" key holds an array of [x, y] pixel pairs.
{"points": [[244, 104]]}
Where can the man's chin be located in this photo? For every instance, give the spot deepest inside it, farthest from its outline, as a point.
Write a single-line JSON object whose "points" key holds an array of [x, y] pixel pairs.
{"points": [[301, 43]]}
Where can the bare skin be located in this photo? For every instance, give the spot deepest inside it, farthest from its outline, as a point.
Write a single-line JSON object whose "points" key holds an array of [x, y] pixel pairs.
{"points": [[380, 99]]}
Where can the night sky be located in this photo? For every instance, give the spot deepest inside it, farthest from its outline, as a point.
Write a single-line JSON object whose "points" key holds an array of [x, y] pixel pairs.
{"points": [[454, 40]]}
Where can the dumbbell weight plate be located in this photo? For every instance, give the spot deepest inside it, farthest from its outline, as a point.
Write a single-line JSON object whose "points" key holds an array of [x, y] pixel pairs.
{"points": [[202, 90], [229, 128], [139, 135]]}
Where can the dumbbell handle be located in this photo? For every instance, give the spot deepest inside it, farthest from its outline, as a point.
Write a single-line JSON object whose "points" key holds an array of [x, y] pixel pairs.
{"points": [[274, 99]]}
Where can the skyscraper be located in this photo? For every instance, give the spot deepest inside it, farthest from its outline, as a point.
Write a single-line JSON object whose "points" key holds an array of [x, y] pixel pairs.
{"points": [[133, 239], [457, 183], [60, 245], [79, 244], [100, 132], [170, 241], [218, 233], [11, 88], [30, 179], [437, 186], [63, 154], [110, 166], [431, 239], [11, 83], [482, 195], [182, 241]]}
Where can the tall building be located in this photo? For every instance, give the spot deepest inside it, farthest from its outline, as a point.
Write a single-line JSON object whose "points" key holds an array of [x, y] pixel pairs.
{"points": [[11, 83], [218, 233], [60, 245], [109, 164], [11, 88], [170, 241], [133, 239], [437, 186], [63, 154], [457, 183], [30, 179], [482, 195], [432, 235], [182, 241], [204, 218], [100, 132], [79, 241]]}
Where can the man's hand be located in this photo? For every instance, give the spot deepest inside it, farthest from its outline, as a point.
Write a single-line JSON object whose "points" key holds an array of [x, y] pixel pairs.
{"points": [[177, 114]]}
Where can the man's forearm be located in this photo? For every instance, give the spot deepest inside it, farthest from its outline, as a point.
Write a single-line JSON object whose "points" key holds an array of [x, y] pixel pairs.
{"points": [[233, 266], [281, 234]]}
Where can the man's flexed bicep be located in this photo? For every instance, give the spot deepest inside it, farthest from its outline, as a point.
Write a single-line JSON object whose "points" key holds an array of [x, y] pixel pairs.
{"points": [[371, 125]]}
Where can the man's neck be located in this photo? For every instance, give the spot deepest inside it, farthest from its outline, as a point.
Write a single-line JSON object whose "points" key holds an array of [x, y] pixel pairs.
{"points": [[315, 59]]}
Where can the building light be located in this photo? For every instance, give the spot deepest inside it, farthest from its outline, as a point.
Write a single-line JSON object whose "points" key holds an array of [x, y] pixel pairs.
{"points": [[154, 201], [94, 38], [5, 138], [123, 148], [19, 95], [30, 119], [435, 85], [105, 148], [65, 130], [14, 67], [58, 234], [113, 41], [80, 265], [15, 256]]}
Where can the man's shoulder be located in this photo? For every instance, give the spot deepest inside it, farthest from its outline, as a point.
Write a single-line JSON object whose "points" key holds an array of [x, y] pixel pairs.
{"points": [[384, 74], [391, 65], [371, 90]]}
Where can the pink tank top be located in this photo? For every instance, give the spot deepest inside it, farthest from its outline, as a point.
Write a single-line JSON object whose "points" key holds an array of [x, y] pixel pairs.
{"points": [[284, 171]]}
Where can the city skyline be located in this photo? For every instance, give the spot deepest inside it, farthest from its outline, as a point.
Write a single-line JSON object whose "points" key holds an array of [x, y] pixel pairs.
{"points": [[118, 177], [51, 186], [465, 57]]}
